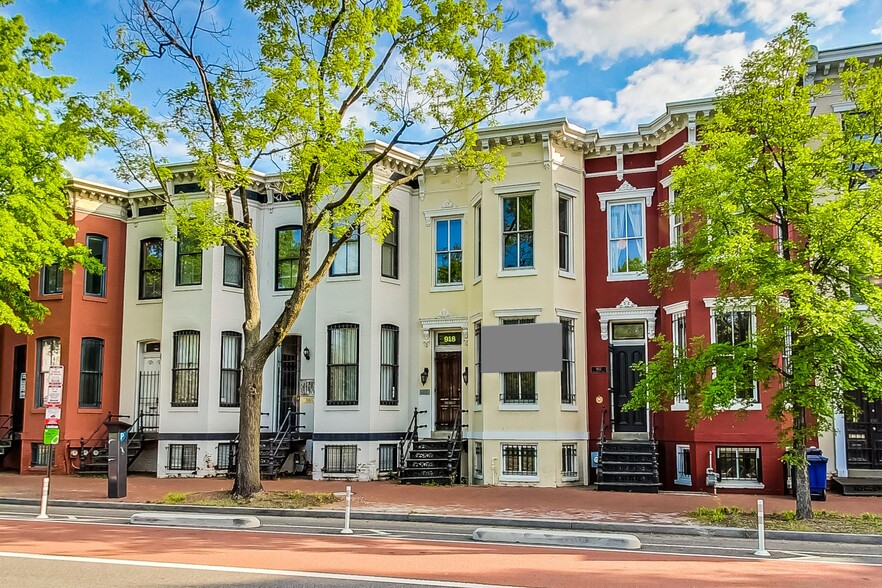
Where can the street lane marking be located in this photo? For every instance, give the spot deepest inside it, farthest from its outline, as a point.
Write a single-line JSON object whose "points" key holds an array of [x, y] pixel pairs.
{"points": [[253, 571]]}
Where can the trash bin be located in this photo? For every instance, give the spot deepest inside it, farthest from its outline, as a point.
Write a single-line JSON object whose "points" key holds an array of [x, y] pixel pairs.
{"points": [[817, 473]]}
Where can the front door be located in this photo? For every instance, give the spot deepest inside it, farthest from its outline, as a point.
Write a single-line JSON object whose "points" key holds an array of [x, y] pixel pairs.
{"points": [[622, 357], [448, 389], [148, 386], [289, 378], [863, 435], [18, 387]]}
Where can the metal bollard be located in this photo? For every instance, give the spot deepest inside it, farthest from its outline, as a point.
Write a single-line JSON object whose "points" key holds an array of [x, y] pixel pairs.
{"points": [[44, 500], [761, 531], [346, 530]]}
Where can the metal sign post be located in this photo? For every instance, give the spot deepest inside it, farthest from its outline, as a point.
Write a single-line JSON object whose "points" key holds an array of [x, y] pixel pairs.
{"points": [[51, 430]]}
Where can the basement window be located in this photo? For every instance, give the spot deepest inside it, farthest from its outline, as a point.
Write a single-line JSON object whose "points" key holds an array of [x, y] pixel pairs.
{"points": [[181, 457], [340, 459]]}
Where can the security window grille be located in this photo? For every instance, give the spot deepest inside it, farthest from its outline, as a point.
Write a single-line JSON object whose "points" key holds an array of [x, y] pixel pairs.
{"points": [[388, 365], [189, 268], [519, 460], [95, 283], [675, 221], [40, 455], [185, 370], [150, 285], [341, 459], [343, 364], [627, 246], [479, 459], [91, 372], [231, 357], [477, 375], [289, 375], [678, 340], [564, 254], [181, 457], [287, 257], [569, 463], [48, 354], [684, 465], [232, 267], [389, 251], [517, 232], [346, 263], [388, 458], [735, 327], [51, 280], [568, 369], [739, 463], [224, 451], [448, 252], [519, 387]]}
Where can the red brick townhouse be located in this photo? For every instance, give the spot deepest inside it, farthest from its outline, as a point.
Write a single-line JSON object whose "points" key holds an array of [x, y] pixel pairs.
{"points": [[83, 333]]}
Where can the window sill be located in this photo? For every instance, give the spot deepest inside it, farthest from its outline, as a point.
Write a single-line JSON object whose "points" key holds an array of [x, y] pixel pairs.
{"points": [[149, 301], [230, 409], [338, 475], [741, 484], [187, 288], [50, 296], [479, 408], [477, 281], [233, 289], [569, 478], [90, 410], [679, 407], [569, 408], [390, 407], [390, 280], [519, 407], [738, 406], [515, 478], [100, 299], [627, 277], [683, 481], [183, 409], [566, 274], [341, 407], [517, 272], [343, 278], [450, 288]]}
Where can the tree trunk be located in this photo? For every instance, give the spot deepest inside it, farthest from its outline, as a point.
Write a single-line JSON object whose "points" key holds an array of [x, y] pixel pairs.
{"points": [[248, 464], [803, 492]]}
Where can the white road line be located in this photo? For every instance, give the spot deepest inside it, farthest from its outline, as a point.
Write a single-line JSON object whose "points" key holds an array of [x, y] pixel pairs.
{"points": [[253, 571]]}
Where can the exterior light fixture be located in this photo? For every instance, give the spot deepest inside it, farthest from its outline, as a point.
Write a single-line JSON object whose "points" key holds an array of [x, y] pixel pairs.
{"points": [[306, 353], [424, 377], [465, 375]]}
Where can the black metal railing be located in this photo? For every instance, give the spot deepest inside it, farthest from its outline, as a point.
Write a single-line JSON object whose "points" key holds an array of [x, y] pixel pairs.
{"points": [[410, 436], [6, 430], [148, 399], [603, 426], [92, 445], [454, 447]]}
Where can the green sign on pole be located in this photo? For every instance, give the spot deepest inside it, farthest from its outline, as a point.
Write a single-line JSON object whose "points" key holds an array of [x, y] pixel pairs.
{"points": [[51, 436]]}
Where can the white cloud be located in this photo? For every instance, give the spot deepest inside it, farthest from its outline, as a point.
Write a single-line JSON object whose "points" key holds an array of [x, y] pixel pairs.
{"points": [[665, 80], [774, 15], [609, 28], [878, 30]]}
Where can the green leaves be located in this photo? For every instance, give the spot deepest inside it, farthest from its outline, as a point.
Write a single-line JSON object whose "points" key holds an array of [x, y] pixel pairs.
{"points": [[34, 206]]}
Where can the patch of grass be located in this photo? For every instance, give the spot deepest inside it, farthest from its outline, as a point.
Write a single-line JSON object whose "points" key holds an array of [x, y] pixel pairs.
{"points": [[295, 499], [824, 521]]}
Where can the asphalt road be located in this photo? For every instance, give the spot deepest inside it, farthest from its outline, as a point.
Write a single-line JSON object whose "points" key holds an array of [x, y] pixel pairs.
{"points": [[303, 550]]}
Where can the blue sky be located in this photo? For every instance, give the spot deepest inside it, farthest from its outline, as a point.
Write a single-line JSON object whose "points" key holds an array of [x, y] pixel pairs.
{"points": [[614, 65]]}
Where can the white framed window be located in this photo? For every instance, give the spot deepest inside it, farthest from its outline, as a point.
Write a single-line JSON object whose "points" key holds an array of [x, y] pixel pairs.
{"points": [[684, 466], [568, 369], [569, 462], [347, 260], [735, 326], [564, 234], [519, 387], [519, 460], [517, 232], [388, 365], [678, 340], [448, 252], [740, 464], [342, 364], [626, 230], [478, 220], [479, 460], [675, 221], [477, 376]]}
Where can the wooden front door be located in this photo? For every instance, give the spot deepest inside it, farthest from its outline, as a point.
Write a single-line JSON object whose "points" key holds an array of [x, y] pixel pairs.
{"points": [[448, 389], [863, 435], [622, 357]]}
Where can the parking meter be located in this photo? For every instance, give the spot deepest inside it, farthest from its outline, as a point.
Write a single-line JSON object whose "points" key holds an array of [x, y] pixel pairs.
{"points": [[117, 460]]}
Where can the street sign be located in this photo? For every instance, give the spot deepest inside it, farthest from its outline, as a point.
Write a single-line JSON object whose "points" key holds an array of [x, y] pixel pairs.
{"points": [[22, 384], [56, 374], [54, 380], [51, 435], [53, 416]]}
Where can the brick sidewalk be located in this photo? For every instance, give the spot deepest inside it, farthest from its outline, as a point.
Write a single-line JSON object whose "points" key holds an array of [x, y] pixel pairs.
{"points": [[571, 503]]}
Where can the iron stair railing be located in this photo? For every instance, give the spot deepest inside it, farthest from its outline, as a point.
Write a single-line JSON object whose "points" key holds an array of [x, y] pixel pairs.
{"points": [[454, 447], [412, 434], [6, 434], [92, 446]]}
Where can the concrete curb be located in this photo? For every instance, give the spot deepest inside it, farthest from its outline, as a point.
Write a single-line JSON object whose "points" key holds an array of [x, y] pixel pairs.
{"points": [[558, 538], [201, 520], [562, 524]]}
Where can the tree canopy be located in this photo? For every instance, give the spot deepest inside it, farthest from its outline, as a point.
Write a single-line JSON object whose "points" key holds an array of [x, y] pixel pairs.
{"points": [[34, 206], [784, 204]]}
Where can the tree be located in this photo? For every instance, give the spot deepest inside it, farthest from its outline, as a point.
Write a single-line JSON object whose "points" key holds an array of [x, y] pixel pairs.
{"points": [[34, 206], [785, 206], [428, 72]]}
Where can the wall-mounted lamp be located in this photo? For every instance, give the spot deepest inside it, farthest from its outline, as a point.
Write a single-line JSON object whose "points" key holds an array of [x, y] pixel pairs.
{"points": [[424, 377], [465, 375], [306, 353]]}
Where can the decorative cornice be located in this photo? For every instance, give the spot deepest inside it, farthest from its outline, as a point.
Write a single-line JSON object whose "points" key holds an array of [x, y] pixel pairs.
{"points": [[626, 192], [624, 311]]}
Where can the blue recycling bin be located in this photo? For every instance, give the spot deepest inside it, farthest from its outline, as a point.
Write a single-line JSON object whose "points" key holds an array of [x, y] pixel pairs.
{"points": [[817, 473]]}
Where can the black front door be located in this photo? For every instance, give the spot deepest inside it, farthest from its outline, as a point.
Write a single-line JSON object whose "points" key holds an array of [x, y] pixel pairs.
{"points": [[623, 381], [18, 387], [863, 435], [448, 389]]}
